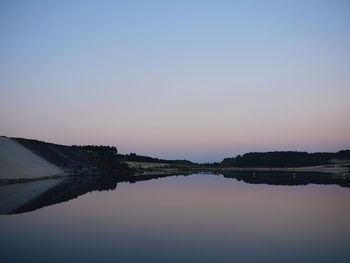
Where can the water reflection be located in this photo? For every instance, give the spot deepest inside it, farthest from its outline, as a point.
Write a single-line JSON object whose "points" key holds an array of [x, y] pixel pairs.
{"points": [[290, 178], [29, 196], [197, 218], [49, 192]]}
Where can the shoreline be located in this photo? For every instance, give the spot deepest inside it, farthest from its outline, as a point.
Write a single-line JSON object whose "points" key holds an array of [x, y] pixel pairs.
{"points": [[147, 168]]}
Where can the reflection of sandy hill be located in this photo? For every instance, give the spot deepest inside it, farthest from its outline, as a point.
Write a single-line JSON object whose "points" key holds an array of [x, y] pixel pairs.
{"points": [[13, 196], [17, 162]]}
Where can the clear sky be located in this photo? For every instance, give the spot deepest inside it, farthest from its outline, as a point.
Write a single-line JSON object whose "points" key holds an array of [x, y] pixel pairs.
{"points": [[200, 80]]}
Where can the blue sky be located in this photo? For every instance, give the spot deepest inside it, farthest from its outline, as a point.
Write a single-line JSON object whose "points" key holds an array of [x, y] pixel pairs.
{"points": [[177, 79]]}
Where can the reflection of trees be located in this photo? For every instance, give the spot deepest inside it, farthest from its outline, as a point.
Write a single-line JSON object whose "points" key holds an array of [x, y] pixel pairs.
{"points": [[289, 178], [73, 187]]}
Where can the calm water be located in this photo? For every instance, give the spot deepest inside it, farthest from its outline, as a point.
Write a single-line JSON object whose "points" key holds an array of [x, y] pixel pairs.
{"points": [[197, 218]]}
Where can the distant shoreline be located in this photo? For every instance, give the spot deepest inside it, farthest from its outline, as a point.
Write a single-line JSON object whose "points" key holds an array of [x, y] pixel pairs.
{"points": [[24, 160], [160, 168]]}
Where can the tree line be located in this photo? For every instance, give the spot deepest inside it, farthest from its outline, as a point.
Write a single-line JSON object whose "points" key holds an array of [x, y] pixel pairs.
{"points": [[284, 159]]}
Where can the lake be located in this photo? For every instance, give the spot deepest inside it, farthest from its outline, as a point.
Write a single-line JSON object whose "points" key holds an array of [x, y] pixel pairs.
{"points": [[194, 218]]}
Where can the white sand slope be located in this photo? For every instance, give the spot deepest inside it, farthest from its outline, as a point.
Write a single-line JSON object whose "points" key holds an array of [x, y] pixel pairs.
{"points": [[18, 162]]}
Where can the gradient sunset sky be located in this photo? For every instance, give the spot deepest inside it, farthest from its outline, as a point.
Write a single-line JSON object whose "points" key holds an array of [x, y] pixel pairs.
{"points": [[200, 80]]}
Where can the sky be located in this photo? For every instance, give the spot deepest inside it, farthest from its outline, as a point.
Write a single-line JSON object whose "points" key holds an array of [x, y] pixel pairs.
{"points": [[200, 80]]}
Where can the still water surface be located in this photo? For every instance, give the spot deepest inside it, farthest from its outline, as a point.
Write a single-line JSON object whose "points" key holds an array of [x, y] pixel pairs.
{"points": [[197, 218]]}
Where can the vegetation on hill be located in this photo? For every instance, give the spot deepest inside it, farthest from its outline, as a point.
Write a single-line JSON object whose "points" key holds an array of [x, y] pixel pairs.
{"points": [[105, 157], [61, 155], [284, 159], [133, 157]]}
